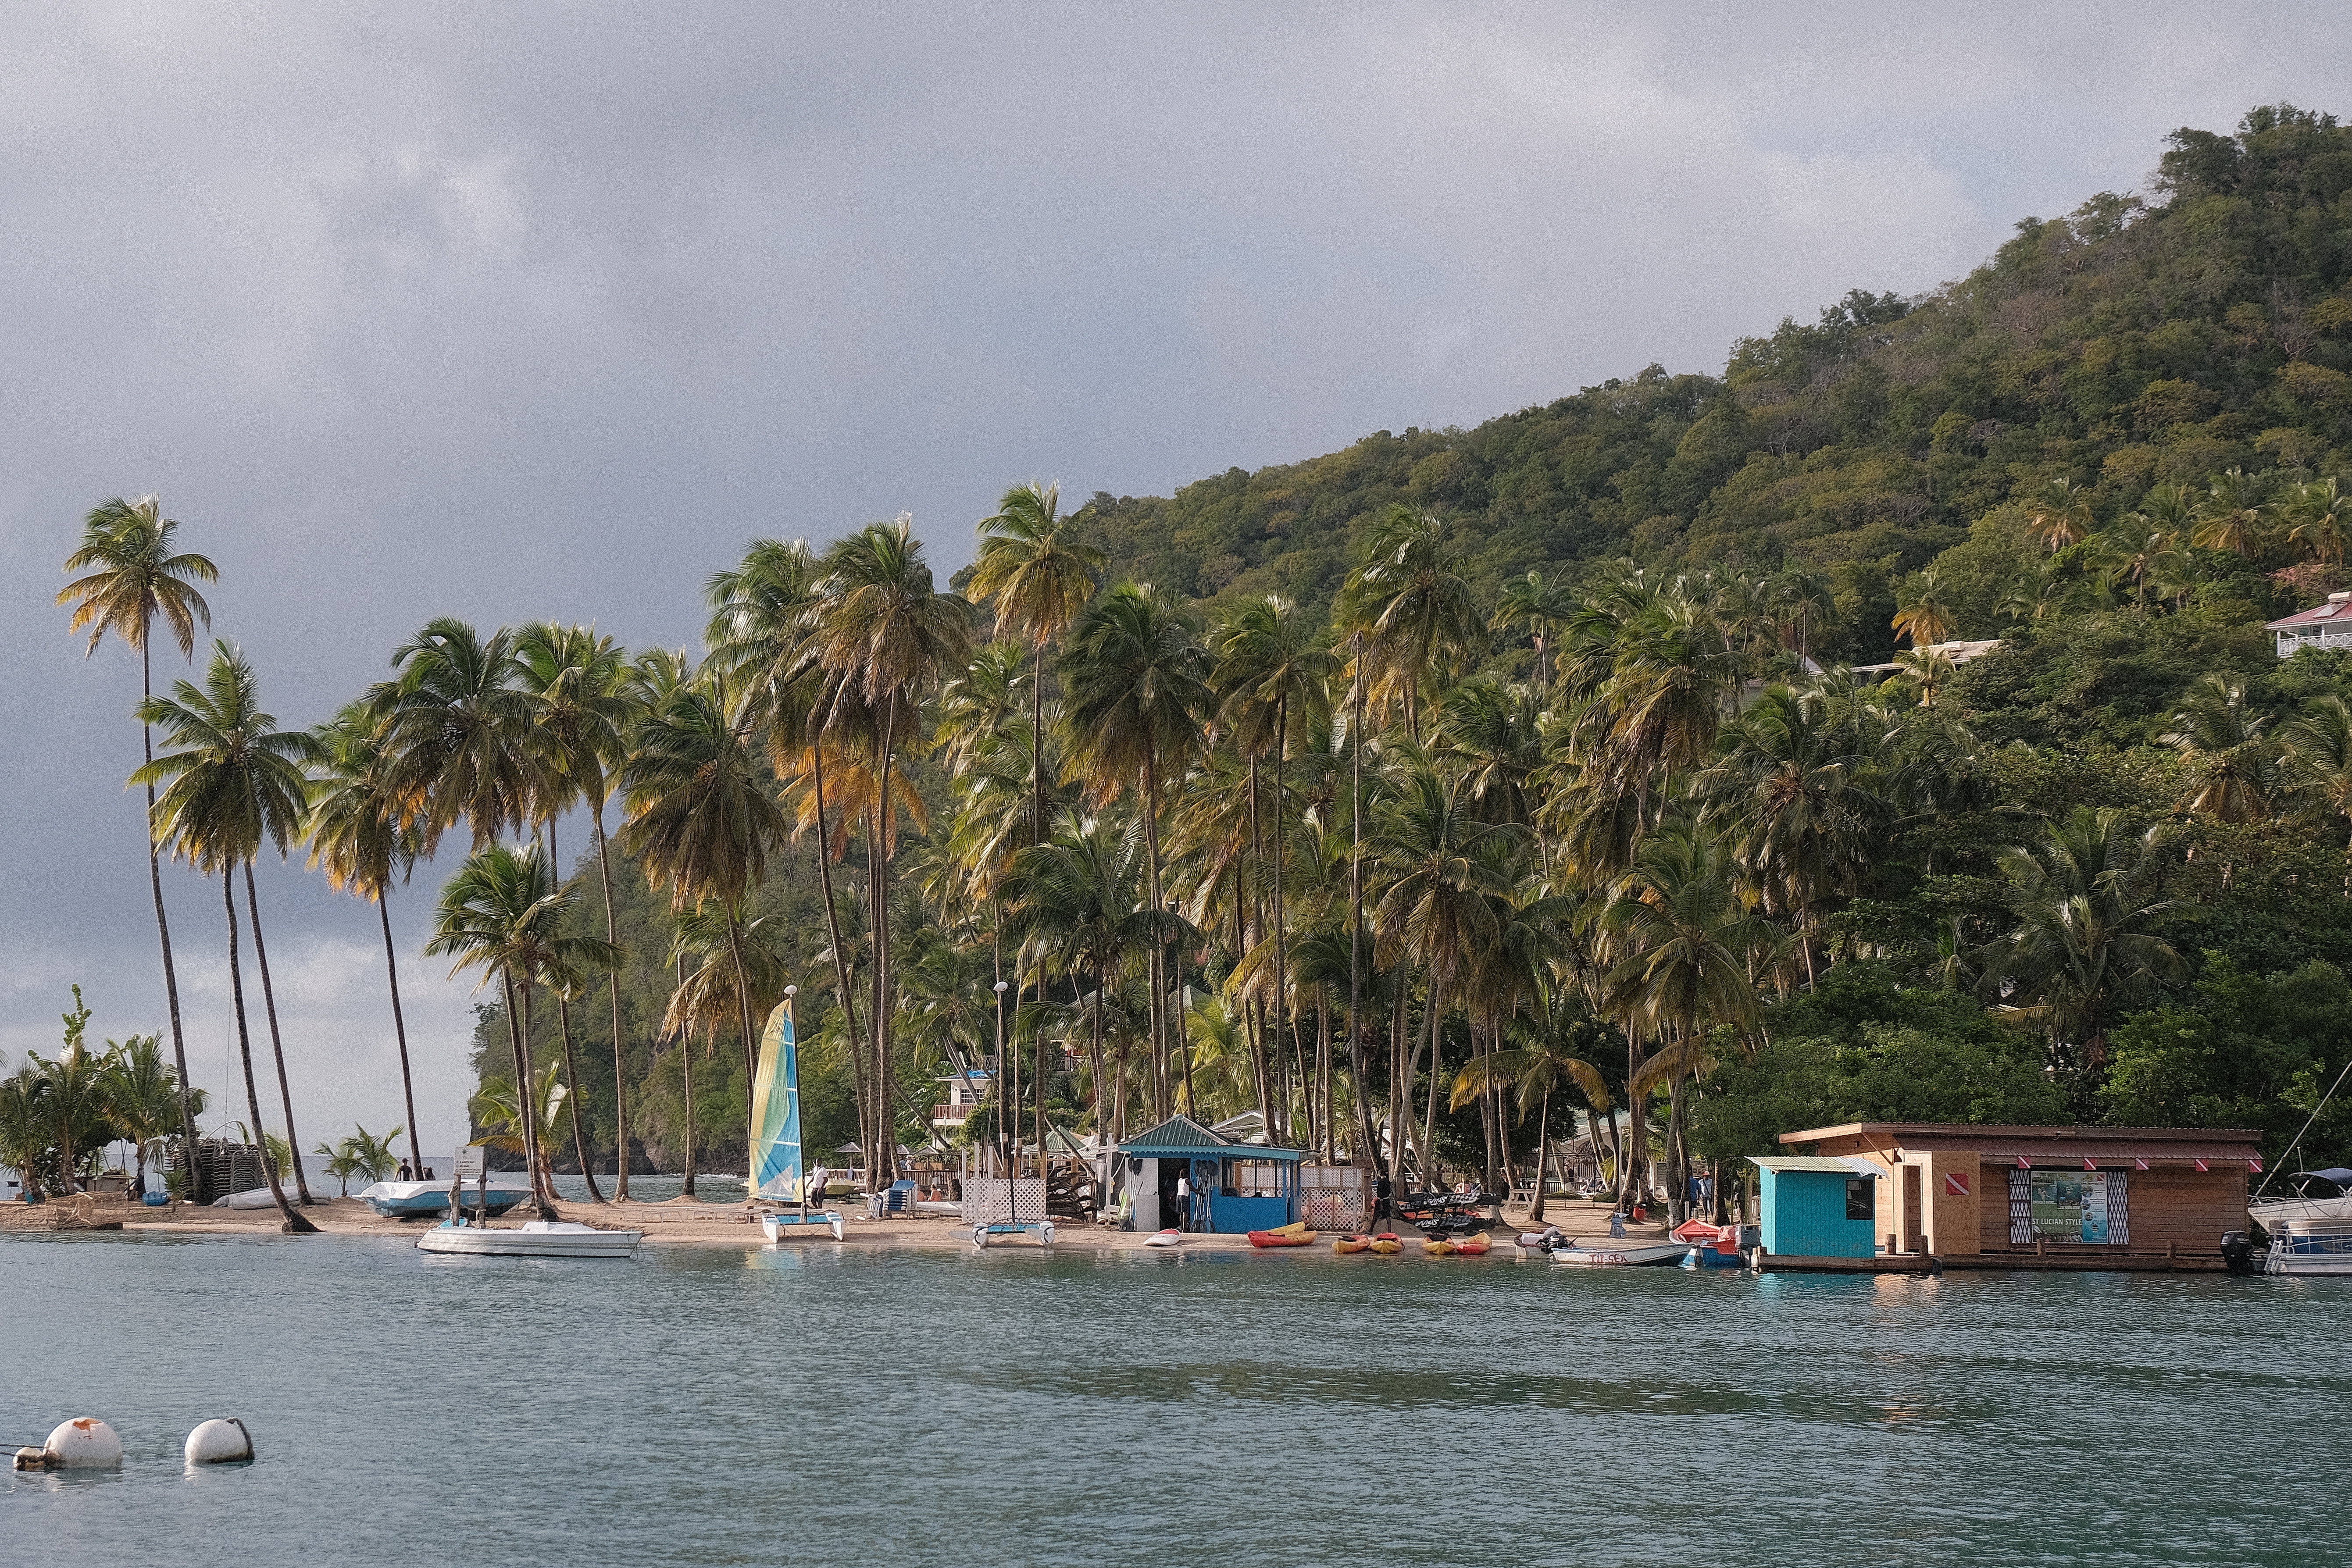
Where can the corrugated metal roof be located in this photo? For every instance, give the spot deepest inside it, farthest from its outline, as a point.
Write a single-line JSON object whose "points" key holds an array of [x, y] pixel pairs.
{"points": [[2074, 1153], [1176, 1132], [1827, 1163]]}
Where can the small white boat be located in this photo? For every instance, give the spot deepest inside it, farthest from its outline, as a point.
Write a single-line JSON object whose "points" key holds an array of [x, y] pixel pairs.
{"points": [[417, 1199], [251, 1198], [1629, 1255], [1164, 1238], [538, 1239], [794, 1225], [2308, 1247]]}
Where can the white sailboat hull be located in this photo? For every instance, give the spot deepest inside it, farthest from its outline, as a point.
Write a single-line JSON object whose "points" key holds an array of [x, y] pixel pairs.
{"points": [[796, 1226], [538, 1239]]}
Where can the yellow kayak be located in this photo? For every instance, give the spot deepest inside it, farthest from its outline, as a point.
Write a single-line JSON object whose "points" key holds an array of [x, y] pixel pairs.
{"points": [[1347, 1244], [1437, 1246], [1386, 1243]]}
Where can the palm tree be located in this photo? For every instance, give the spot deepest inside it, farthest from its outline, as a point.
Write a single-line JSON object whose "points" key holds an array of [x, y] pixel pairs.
{"points": [[1274, 677], [343, 1162], [578, 684], [1416, 613], [1543, 608], [2231, 515], [1032, 569], [2318, 747], [503, 915], [2060, 514], [701, 823], [496, 1108], [132, 575], [1922, 611], [890, 637], [2085, 945], [363, 833], [144, 1096], [1679, 942], [459, 731], [2233, 759], [1079, 889], [2320, 514], [1135, 678], [235, 782], [1532, 1073]]}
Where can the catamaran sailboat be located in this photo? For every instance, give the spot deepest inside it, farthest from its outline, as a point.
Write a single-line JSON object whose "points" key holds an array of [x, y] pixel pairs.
{"points": [[781, 1191]]}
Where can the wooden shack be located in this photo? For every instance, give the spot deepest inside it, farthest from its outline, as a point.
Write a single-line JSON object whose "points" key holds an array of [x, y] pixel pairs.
{"points": [[2090, 1197]]}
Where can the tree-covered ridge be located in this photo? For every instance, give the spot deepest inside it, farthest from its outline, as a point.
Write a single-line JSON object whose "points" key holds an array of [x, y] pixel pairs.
{"points": [[2138, 341]]}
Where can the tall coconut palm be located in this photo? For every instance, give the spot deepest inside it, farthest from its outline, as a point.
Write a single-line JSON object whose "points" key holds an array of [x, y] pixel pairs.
{"points": [[2317, 746], [457, 727], [232, 782], [142, 1098], [1081, 889], [1036, 575], [503, 915], [131, 574], [362, 834], [1532, 1073], [1273, 676], [700, 822], [1136, 682], [1542, 607], [2234, 762], [2320, 515], [1923, 609], [891, 636], [582, 714], [1415, 610]]}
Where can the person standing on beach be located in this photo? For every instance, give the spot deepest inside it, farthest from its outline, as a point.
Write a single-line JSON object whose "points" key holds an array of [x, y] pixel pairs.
{"points": [[1183, 1201]]}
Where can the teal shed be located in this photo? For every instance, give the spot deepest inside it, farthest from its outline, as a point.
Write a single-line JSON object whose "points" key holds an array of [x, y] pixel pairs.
{"points": [[1818, 1206]]}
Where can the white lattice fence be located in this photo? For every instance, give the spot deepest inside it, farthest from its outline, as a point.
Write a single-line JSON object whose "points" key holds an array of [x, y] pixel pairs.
{"points": [[989, 1200], [1334, 1209]]}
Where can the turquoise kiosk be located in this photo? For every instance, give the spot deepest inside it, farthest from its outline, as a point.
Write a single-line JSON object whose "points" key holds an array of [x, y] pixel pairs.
{"points": [[1817, 1206], [1232, 1188]]}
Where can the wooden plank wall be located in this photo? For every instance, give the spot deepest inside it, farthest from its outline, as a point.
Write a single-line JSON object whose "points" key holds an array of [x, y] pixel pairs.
{"points": [[2176, 1206]]}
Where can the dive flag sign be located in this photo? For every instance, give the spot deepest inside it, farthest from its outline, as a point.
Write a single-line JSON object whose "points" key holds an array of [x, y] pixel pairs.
{"points": [[1956, 1185], [2202, 1166], [2139, 1165]]}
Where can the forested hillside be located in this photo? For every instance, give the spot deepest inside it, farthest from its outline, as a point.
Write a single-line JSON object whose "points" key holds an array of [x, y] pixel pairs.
{"points": [[2097, 874]]}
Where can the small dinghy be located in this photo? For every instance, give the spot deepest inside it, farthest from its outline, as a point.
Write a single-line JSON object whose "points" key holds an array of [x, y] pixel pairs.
{"points": [[1344, 1245], [1293, 1235], [1164, 1238], [538, 1239], [1631, 1255]]}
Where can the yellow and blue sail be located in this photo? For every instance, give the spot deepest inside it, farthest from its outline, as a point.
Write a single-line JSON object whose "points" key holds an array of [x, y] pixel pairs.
{"points": [[776, 1112]]}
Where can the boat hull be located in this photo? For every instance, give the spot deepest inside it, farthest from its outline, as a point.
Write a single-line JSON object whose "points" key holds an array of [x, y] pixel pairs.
{"points": [[539, 1238], [802, 1227], [2303, 1247], [1638, 1256], [1281, 1238], [422, 1200], [1164, 1238]]}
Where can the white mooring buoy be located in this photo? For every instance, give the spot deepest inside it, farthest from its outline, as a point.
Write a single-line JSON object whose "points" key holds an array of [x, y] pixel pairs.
{"points": [[219, 1443], [84, 1443]]}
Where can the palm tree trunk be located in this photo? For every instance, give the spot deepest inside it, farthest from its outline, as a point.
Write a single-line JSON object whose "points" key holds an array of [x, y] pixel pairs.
{"points": [[400, 1033], [686, 1067], [296, 1224], [751, 1040], [1282, 1011], [1323, 1071], [1400, 1094], [1356, 913], [572, 1076], [542, 1194], [1677, 1165], [1633, 1154], [1037, 1058], [1038, 739], [198, 1192], [833, 930], [1543, 1146], [1429, 1115], [276, 1047], [877, 1002], [613, 984], [1102, 1099], [1157, 968]]}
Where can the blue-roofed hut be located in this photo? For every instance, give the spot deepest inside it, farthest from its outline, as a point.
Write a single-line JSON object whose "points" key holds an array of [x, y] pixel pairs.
{"points": [[1814, 1206], [1235, 1186]]}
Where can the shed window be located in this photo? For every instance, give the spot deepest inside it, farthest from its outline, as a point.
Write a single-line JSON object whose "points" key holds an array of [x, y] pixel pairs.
{"points": [[1860, 1201], [1254, 1178]]}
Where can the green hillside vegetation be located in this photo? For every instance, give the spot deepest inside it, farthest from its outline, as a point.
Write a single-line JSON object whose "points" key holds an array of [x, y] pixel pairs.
{"points": [[1426, 796]]}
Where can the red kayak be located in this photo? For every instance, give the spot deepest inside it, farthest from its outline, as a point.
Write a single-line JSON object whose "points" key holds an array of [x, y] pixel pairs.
{"points": [[1282, 1238]]}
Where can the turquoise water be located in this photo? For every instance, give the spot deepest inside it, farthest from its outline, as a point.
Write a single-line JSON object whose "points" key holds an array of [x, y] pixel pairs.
{"points": [[839, 1406]]}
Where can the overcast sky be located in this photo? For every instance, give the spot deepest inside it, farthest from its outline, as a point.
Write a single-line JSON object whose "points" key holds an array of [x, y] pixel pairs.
{"points": [[536, 310]]}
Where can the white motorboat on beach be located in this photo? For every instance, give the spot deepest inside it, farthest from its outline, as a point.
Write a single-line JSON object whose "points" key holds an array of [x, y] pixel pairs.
{"points": [[537, 1238], [423, 1199]]}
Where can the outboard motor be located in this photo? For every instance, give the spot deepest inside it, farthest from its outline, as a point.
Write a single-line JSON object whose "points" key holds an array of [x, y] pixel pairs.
{"points": [[2238, 1252]]}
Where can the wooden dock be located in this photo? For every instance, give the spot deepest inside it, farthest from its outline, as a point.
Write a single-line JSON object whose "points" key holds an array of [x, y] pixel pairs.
{"points": [[2054, 1261]]}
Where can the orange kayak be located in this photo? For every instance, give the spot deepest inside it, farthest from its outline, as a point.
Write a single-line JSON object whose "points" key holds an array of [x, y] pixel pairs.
{"points": [[1281, 1237], [1347, 1244], [1473, 1246]]}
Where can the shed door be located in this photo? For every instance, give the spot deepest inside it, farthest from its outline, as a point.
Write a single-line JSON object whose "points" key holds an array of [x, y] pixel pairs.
{"points": [[1910, 1209]]}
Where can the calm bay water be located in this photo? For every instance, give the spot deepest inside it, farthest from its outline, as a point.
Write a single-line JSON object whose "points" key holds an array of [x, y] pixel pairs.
{"points": [[845, 1405]]}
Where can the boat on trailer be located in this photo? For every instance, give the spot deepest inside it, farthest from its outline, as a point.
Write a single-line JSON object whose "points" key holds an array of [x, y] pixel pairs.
{"points": [[536, 1238], [789, 1198]]}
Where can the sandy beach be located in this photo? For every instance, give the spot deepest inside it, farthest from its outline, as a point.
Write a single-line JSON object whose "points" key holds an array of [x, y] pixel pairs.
{"points": [[691, 1223]]}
